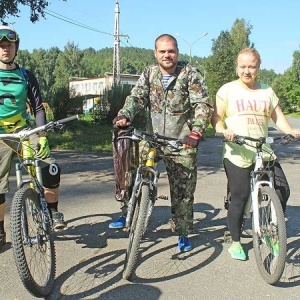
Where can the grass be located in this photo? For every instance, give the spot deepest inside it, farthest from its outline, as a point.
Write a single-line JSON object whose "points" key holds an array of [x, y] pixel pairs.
{"points": [[294, 114], [88, 136], [82, 135]]}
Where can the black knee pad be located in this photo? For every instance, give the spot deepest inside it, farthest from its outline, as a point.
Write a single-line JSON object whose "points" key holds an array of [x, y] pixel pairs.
{"points": [[2, 198], [51, 176]]}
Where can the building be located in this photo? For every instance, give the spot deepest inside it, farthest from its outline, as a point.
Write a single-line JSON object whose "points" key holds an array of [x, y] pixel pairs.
{"points": [[92, 88]]}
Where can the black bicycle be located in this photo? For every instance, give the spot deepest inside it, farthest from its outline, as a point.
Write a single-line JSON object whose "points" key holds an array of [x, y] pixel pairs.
{"points": [[30, 221], [144, 189]]}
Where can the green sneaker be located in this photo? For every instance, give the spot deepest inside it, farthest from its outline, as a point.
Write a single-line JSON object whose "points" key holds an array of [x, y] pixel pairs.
{"points": [[274, 246], [237, 252]]}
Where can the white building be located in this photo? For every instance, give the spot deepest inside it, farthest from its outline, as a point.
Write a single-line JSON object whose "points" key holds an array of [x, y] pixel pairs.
{"points": [[93, 88]]}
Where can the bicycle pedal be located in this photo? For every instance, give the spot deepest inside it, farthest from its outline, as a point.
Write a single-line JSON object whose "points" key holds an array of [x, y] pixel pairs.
{"points": [[227, 237], [226, 203], [163, 197]]}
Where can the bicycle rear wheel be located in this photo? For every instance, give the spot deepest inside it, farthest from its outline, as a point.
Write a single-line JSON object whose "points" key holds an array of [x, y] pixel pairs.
{"points": [[270, 246], [136, 231], [32, 243]]}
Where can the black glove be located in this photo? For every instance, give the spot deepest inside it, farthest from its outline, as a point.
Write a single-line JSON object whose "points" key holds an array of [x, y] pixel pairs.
{"points": [[192, 139]]}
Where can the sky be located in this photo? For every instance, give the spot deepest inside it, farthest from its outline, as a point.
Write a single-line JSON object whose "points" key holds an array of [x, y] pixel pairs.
{"points": [[90, 23]]}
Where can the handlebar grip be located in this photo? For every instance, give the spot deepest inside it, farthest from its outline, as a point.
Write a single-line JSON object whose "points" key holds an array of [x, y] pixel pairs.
{"points": [[68, 119], [219, 135]]}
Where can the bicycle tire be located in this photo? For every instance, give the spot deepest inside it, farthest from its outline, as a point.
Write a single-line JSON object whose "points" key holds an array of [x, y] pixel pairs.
{"points": [[34, 258], [136, 231], [270, 247], [152, 196]]}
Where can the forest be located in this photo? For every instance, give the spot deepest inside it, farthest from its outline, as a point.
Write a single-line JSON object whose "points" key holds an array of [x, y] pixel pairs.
{"points": [[54, 67]]}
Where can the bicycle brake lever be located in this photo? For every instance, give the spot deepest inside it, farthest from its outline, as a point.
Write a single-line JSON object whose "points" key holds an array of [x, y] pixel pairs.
{"points": [[239, 140], [175, 144], [287, 139]]}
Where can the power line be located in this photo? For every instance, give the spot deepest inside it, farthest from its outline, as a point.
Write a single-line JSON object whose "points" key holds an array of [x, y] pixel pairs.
{"points": [[76, 23], [73, 22]]}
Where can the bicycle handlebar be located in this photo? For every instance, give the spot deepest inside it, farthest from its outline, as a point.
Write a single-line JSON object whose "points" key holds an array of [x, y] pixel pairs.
{"points": [[47, 127], [239, 139], [156, 138]]}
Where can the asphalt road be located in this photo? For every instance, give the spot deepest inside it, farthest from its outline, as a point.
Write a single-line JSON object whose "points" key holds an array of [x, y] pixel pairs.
{"points": [[90, 255]]}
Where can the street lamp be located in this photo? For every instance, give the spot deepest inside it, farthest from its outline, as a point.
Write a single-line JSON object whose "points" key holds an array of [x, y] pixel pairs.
{"points": [[191, 44]]}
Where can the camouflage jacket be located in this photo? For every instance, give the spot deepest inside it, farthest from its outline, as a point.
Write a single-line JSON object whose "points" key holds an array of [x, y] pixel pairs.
{"points": [[175, 110]]}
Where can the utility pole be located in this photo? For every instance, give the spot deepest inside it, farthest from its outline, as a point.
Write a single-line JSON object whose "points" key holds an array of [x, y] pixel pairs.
{"points": [[117, 35]]}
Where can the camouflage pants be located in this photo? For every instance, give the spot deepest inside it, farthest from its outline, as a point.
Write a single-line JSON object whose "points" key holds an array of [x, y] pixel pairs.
{"points": [[182, 175]]}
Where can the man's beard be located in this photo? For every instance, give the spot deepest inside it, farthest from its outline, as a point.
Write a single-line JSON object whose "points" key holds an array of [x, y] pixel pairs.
{"points": [[168, 66]]}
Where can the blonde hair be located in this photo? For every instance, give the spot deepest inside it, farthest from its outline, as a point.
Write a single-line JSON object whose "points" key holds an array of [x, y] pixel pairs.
{"points": [[252, 51]]}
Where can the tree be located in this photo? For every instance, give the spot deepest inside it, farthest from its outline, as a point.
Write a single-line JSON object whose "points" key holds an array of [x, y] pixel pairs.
{"points": [[221, 65], [45, 62], [287, 86], [240, 33], [24, 59], [11, 8], [68, 64], [266, 76]]}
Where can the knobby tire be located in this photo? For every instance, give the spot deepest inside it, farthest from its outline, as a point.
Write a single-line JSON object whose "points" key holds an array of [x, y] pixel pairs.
{"points": [[136, 232], [35, 261], [270, 266]]}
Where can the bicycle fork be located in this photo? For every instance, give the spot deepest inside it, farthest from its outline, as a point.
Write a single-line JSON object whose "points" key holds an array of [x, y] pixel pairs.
{"points": [[140, 179], [34, 169], [255, 205]]}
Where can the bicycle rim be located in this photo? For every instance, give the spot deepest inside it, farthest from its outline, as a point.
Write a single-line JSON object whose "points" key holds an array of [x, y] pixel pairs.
{"points": [[136, 232], [270, 246], [33, 247]]}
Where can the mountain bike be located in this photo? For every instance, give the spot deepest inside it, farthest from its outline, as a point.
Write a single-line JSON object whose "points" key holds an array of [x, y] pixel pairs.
{"points": [[268, 221], [30, 221], [152, 147]]}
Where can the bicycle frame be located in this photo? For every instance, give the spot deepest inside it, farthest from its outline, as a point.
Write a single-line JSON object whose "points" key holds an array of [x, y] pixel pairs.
{"points": [[33, 166], [30, 220], [144, 190], [142, 176]]}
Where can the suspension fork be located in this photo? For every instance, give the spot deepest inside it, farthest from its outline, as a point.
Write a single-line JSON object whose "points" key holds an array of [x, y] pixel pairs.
{"points": [[257, 185], [139, 180]]}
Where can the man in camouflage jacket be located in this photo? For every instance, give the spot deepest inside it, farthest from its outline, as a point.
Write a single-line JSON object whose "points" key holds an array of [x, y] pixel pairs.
{"points": [[175, 94]]}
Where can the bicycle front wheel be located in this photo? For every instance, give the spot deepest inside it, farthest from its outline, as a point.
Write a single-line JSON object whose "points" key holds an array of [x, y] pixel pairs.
{"points": [[136, 231], [270, 245], [32, 243]]}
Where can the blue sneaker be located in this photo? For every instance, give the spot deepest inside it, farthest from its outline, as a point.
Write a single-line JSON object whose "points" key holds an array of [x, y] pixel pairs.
{"points": [[119, 224], [184, 243]]}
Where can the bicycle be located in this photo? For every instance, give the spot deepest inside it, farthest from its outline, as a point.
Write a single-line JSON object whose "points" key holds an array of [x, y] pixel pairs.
{"points": [[268, 221], [30, 221], [144, 190]]}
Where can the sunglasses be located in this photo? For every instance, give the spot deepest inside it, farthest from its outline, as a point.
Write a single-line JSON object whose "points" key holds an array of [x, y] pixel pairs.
{"points": [[9, 35]]}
